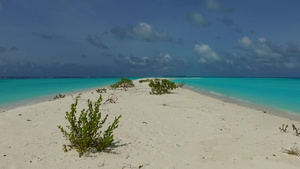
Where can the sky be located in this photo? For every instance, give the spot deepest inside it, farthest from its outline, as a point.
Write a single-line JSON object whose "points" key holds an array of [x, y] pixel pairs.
{"points": [[248, 38]]}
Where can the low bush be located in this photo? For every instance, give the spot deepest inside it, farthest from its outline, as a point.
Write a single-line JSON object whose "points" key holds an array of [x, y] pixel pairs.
{"points": [[283, 128], [77, 97], [59, 96], [144, 80], [124, 83], [297, 130], [101, 90], [161, 86], [180, 85], [84, 133]]}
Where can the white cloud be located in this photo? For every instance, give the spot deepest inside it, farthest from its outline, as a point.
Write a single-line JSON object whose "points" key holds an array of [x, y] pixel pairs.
{"points": [[198, 19], [262, 40], [145, 32], [215, 5], [206, 53], [164, 58], [202, 60], [261, 48], [142, 29], [161, 62], [166, 62], [264, 53], [229, 62], [245, 41], [137, 61]]}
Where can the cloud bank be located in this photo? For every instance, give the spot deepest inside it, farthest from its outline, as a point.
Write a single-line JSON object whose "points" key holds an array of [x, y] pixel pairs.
{"points": [[142, 32], [205, 53], [196, 18], [215, 5], [145, 32], [95, 41], [263, 52], [163, 62]]}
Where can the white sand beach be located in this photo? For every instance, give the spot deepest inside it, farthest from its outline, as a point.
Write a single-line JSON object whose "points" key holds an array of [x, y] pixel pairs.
{"points": [[182, 130]]}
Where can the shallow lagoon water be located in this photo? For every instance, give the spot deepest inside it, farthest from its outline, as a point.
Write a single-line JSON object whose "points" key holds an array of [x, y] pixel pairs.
{"points": [[14, 92], [278, 93]]}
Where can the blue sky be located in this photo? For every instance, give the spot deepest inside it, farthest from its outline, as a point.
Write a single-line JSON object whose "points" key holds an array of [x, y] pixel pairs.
{"points": [[149, 38]]}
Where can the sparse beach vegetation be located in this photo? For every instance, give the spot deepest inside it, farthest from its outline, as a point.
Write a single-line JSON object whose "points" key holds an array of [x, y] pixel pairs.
{"points": [[161, 86], [180, 85], [283, 128], [297, 132], [144, 80], [124, 83], [101, 90], [59, 96], [84, 133], [77, 97]]}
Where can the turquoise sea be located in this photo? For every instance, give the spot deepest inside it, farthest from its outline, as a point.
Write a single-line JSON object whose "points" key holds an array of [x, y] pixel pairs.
{"points": [[15, 92], [277, 93]]}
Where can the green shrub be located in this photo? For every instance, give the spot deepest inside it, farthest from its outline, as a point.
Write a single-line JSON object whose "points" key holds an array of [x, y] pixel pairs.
{"points": [[162, 86], [115, 86], [59, 96], [101, 90], [283, 128], [297, 130], [84, 133], [144, 80], [180, 85], [124, 83]]}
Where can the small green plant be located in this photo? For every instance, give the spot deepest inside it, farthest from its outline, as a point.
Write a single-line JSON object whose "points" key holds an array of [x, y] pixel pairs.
{"points": [[296, 130], [161, 86], [114, 86], [58, 96], [84, 133], [101, 90], [180, 85], [283, 128], [144, 80], [124, 83], [77, 97]]}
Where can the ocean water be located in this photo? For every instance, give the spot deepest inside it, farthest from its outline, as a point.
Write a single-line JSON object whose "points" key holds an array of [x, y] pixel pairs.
{"points": [[14, 92], [279, 93]]}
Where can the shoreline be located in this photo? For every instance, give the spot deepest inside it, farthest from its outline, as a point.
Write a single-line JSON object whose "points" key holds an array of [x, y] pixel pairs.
{"points": [[273, 111], [184, 129], [28, 95], [44, 98], [270, 110]]}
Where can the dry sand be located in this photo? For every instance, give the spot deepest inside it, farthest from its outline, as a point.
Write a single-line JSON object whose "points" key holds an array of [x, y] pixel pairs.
{"points": [[181, 130]]}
